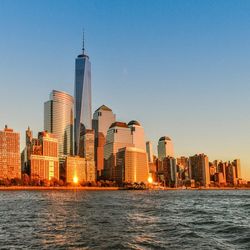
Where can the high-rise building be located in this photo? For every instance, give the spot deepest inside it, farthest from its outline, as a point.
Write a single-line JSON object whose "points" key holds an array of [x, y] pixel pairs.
{"points": [[83, 108], [122, 135], [58, 119], [132, 165], [165, 148], [183, 167], [236, 163], [89, 145], [137, 132], [44, 157], [118, 136], [199, 165], [25, 156], [149, 150], [10, 162], [75, 167], [169, 171], [89, 154], [103, 117]]}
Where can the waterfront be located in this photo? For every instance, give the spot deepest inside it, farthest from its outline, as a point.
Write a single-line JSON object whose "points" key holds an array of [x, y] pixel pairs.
{"points": [[190, 219]]}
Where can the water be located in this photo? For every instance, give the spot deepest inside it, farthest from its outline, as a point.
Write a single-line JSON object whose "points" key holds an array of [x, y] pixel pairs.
{"points": [[125, 219]]}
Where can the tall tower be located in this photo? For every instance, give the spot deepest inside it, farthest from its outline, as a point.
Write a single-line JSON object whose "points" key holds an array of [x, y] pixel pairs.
{"points": [[165, 148], [83, 109], [58, 119], [103, 117]]}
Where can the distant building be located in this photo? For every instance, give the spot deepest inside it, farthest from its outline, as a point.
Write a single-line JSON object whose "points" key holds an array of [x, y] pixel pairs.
{"points": [[90, 171], [10, 161], [169, 171], [199, 168], [44, 157], [219, 179], [25, 156], [58, 119], [231, 178], [165, 148], [89, 154], [103, 117], [132, 165], [236, 163], [118, 136], [83, 102], [221, 168], [149, 150], [75, 167], [137, 133], [183, 167], [89, 145]]}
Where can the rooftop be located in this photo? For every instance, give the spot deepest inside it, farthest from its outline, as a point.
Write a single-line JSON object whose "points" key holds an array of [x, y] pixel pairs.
{"points": [[104, 107], [119, 124]]}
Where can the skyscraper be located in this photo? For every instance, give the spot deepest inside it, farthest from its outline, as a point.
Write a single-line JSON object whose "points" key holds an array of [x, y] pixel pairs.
{"points": [[199, 165], [118, 136], [149, 150], [132, 165], [103, 117], [58, 119], [138, 137], [122, 135], [10, 166], [83, 109], [165, 148]]}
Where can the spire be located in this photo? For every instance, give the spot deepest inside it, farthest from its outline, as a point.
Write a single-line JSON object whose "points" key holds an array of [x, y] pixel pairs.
{"points": [[83, 48]]}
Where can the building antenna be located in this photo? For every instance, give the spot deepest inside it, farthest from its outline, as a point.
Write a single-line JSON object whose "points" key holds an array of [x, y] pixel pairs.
{"points": [[83, 47]]}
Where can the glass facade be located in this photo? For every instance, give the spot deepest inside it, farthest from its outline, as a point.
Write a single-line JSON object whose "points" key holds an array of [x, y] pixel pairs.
{"points": [[58, 119], [83, 109]]}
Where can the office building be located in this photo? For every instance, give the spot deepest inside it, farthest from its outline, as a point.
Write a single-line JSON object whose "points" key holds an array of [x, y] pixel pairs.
{"points": [[199, 165], [169, 170], [44, 161], [58, 119], [118, 136], [75, 168], [25, 155], [10, 161], [89, 145], [132, 165], [103, 117], [137, 132], [165, 148], [183, 167], [149, 150], [231, 178], [83, 105], [236, 163]]}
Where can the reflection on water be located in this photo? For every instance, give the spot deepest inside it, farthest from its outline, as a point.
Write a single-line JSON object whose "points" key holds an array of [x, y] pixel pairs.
{"points": [[125, 219]]}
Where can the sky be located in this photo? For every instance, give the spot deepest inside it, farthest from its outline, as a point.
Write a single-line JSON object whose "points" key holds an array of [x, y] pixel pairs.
{"points": [[180, 67]]}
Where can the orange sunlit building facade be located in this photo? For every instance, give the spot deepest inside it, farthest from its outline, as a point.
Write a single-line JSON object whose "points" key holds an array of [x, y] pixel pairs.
{"points": [[44, 159], [10, 160]]}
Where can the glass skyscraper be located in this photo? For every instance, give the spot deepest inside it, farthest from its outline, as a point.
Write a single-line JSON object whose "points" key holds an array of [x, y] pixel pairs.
{"points": [[58, 119], [83, 109]]}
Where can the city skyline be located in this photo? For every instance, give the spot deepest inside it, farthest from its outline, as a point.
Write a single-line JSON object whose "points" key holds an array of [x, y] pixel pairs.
{"points": [[192, 131]]}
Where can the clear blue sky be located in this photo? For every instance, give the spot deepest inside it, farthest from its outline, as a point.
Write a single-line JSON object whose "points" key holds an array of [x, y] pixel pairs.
{"points": [[181, 68]]}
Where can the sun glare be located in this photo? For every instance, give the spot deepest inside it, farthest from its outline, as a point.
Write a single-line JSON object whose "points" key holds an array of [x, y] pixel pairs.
{"points": [[150, 179], [75, 179]]}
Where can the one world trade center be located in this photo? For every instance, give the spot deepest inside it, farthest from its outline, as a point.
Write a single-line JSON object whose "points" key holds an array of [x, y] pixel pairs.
{"points": [[83, 109]]}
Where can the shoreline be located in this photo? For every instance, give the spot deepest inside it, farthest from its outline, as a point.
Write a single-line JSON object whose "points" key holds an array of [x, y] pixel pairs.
{"points": [[34, 188]]}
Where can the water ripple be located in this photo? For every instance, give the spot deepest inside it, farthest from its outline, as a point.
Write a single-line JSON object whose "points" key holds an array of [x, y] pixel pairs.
{"points": [[125, 220]]}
